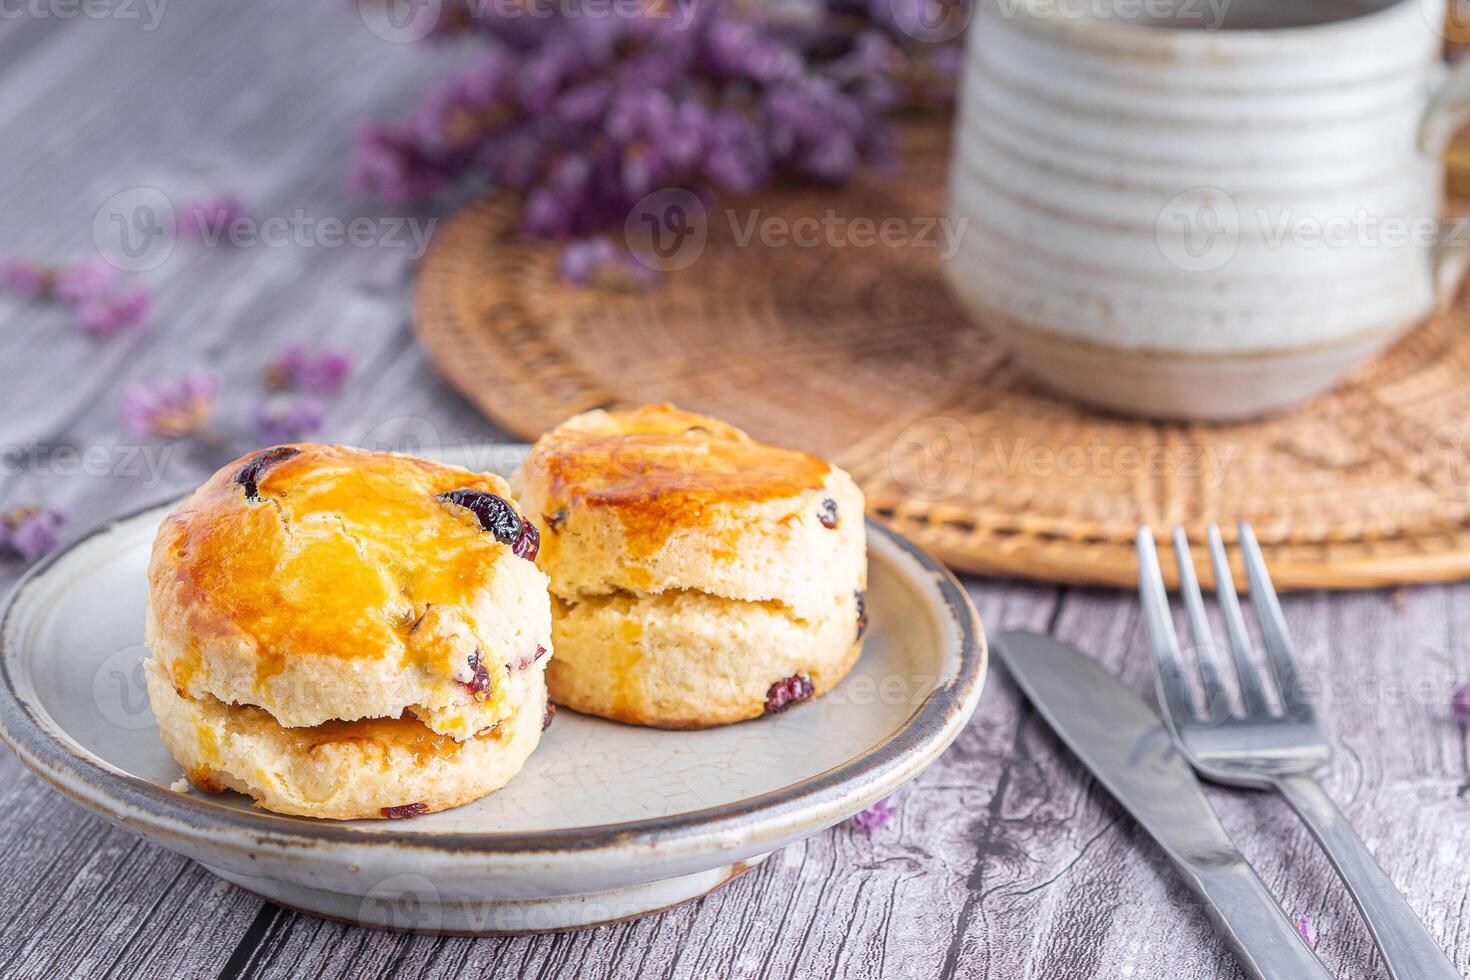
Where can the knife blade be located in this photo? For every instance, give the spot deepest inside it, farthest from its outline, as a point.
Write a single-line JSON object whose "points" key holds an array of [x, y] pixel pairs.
{"points": [[1127, 748]]}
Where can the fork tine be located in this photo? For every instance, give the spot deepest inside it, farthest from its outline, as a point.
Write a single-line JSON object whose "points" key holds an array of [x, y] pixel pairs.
{"points": [[1279, 649], [1169, 680], [1252, 695], [1217, 702]]}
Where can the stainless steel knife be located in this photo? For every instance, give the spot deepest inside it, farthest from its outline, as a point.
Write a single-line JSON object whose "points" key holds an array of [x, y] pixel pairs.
{"points": [[1127, 748]]}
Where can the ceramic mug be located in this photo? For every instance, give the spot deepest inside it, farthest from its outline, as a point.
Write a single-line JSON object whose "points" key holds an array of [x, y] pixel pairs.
{"points": [[1203, 209]]}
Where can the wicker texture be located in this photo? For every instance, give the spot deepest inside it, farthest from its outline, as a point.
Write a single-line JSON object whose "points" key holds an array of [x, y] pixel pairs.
{"points": [[859, 354]]}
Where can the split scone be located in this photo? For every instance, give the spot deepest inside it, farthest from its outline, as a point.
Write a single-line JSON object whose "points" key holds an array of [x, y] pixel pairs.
{"points": [[698, 577], [340, 633]]}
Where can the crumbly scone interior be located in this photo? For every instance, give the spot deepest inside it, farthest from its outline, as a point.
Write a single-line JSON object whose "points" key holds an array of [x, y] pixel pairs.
{"points": [[416, 729], [380, 767]]}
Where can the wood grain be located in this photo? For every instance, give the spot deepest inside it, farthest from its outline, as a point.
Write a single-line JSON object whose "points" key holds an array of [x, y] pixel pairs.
{"points": [[1003, 862]]}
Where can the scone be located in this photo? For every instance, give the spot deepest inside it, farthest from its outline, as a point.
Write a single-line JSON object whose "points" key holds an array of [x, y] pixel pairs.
{"points": [[340, 633], [698, 577]]}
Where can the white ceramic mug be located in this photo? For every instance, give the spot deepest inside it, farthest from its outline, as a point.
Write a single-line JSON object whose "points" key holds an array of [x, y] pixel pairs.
{"points": [[1203, 209]]}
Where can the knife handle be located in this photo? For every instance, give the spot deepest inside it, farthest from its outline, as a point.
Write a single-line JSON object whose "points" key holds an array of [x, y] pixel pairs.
{"points": [[1249, 919]]}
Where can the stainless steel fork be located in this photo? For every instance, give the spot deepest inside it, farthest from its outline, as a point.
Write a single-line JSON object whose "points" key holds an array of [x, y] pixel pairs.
{"points": [[1264, 745]]}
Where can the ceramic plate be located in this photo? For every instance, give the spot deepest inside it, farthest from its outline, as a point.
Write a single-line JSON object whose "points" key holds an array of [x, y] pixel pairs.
{"points": [[605, 821]]}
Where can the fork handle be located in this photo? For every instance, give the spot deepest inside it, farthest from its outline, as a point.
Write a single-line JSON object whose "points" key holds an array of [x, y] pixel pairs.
{"points": [[1409, 952], [1248, 918]]}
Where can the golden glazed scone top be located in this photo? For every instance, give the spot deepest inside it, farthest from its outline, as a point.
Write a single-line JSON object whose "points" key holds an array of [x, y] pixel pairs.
{"points": [[340, 554], [289, 562], [655, 499], [659, 469]]}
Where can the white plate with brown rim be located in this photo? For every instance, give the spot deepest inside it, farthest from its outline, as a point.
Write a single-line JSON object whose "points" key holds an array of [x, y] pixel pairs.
{"points": [[605, 822]]}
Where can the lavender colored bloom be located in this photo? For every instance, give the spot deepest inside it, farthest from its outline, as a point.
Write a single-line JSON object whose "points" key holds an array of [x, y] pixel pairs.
{"points": [[738, 158], [207, 219], [31, 532], [547, 215], [171, 408], [598, 261], [740, 47], [1305, 930], [875, 816], [86, 282], [94, 292], [321, 371], [456, 110], [24, 278], [287, 418], [107, 316], [391, 164], [584, 115], [585, 104], [1460, 704]]}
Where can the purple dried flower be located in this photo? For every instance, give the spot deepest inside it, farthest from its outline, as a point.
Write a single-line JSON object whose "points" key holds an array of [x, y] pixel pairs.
{"points": [[738, 46], [737, 158], [31, 532], [322, 371], [583, 116], [24, 278], [1460, 704], [107, 316], [1305, 930], [171, 408], [207, 220], [548, 214], [875, 816], [598, 261], [391, 164], [89, 281], [93, 290], [287, 418]]}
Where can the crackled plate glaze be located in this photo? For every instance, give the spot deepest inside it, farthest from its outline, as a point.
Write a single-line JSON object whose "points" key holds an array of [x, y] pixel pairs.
{"points": [[606, 821]]}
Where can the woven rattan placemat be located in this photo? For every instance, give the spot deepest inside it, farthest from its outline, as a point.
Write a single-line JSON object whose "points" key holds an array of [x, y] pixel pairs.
{"points": [[857, 352]]}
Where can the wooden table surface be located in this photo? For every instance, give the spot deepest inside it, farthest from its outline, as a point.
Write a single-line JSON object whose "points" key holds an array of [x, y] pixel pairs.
{"points": [[1004, 860]]}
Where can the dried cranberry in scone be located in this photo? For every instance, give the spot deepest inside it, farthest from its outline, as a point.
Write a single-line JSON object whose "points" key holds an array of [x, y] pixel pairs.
{"points": [[500, 519], [404, 810], [784, 693], [479, 685], [248, 476]]}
